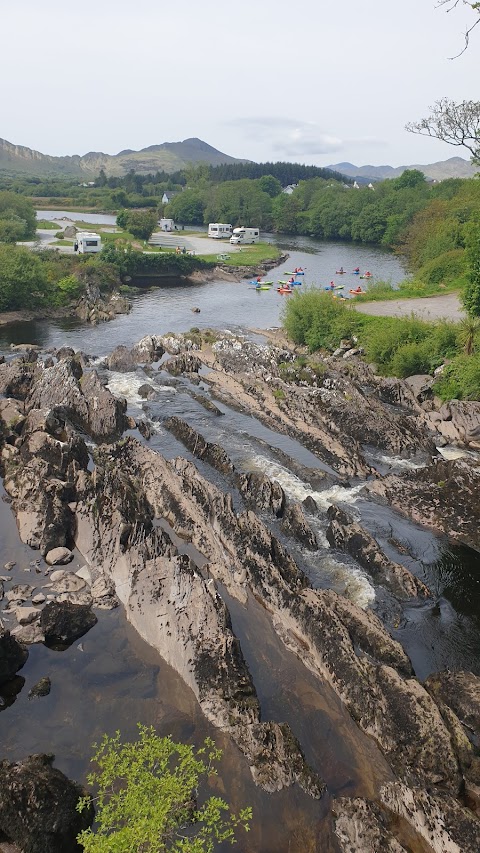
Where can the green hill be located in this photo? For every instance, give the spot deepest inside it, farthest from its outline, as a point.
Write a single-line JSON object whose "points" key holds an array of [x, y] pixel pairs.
{"points": [[167, 157]]}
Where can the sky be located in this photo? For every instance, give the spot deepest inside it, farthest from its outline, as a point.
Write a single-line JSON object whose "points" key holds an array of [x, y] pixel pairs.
{"points": [[310, 81]]}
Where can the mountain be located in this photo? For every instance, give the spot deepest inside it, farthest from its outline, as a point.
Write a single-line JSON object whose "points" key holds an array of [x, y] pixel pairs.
{"points": [[455, 167], [167, 157]]}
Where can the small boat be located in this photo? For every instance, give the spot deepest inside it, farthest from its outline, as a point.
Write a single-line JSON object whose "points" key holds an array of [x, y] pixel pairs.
{"points": [[262, 287], [355, 272], [340, 272], [255, 282], [357, 292], [337, 287], [290, 283], [284, 290], [366, 276], [300, 272]]}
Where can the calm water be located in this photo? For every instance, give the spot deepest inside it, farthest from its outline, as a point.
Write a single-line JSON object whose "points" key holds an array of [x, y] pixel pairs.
{"points": [[112, 679]]}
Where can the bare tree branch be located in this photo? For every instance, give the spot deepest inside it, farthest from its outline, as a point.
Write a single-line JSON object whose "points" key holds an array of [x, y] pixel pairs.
{"points": [[475, 7], [456, 124]]}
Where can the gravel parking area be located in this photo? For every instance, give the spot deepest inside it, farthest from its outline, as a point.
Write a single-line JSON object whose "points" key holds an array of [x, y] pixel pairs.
{"points": [[426, 308]]}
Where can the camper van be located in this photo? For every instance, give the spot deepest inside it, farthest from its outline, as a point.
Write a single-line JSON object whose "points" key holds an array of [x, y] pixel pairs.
{"points": [[87, 242], [245, 235], [167, 225], [219, 230]]}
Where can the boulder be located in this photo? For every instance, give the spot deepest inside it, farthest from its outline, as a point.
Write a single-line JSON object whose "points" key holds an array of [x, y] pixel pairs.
{"points": [[41, 688], [121, 359], [148, 350], [183, 363], [147, 392], [262, 493], [12, 655], [80, 398], [38, 806], [295, 524], [63, 622], [59, 557], [17, 378]]}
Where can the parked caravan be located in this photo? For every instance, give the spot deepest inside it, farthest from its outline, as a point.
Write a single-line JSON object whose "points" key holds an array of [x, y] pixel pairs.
{"points": [[87, 242], [219, 230], [245, 235], [167, 225]]}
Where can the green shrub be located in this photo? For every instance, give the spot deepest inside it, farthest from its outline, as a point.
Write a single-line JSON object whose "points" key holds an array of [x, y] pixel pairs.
{"points": [[446, 267], [410, 359], [460, 380], [149, 798], [68, 290]]}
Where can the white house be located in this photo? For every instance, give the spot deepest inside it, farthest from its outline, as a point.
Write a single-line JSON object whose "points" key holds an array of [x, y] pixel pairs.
{"points": [[289, 189], [167, 196]]}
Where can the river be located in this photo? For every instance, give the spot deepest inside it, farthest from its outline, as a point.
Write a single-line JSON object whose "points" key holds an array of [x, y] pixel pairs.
{"points": [[112, 679]]}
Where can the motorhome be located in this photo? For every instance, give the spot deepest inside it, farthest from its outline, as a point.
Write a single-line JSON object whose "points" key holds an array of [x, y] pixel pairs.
{"points": [[167, 225], [219, 230], [245, 235], [87, 242]]}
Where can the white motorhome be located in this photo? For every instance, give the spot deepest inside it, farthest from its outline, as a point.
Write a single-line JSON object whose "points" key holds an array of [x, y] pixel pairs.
{"points": [[167, 225], [87, 242], [245, 235], [219, 230]]}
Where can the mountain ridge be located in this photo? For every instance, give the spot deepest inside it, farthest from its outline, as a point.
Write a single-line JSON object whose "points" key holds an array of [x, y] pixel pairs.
{"points": [[167, 156], [454, 167]]}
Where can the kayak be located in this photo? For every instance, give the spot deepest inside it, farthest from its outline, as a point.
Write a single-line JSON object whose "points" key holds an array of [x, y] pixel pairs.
{"points": [[290, 283], [255, 282], [367, 276], [262, 287], [340, 272], [355, 272], [337, 287], [294, 273], [284, 290], [340, 298], [357, 292]]}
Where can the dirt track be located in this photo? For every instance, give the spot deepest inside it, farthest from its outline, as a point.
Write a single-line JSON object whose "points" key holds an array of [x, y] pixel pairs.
{"points": [[426, 308]]}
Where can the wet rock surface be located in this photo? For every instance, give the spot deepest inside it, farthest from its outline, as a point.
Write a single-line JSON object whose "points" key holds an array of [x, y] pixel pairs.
{"points": [[442, 496], [347, 535], [38, 806], [167, 541], [12, 656]]}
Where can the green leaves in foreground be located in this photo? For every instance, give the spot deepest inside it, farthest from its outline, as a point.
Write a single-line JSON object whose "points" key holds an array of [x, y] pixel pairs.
{"points": [[147, 798]]}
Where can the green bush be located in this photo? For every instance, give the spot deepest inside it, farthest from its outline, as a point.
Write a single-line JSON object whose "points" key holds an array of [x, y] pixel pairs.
{"points": [[460, 380], [23, 279], [410, 359], [314, 318], [446, 267], [149, 799], [388, 335], [68, 290]]}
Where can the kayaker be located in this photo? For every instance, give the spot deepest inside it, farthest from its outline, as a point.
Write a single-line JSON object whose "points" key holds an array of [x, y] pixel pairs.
{"points": [[332, 285], [298, 269], [259, 278], [291, 280], [341, 269], [357, 269]]}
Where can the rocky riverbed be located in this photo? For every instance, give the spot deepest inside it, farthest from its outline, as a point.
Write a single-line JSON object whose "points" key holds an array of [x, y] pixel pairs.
{"points": [[184, 541]]}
